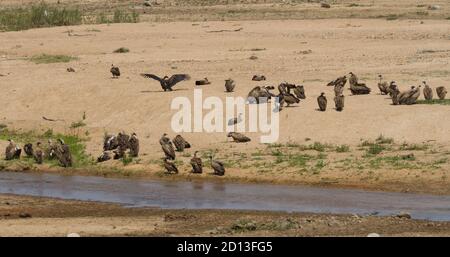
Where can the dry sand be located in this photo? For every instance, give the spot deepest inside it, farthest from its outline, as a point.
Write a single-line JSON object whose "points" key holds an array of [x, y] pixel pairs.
{"points": [[51, 217], [407, 51]]}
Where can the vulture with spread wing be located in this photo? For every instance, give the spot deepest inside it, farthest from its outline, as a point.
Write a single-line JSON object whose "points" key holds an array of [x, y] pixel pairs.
{"points": [[166, 82]]}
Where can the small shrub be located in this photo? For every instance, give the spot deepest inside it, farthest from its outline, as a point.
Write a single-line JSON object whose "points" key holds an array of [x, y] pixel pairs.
{"points": [[375, 149], [122, 50], [384, 140], [127, 160], [77, 124], [342, 148]]}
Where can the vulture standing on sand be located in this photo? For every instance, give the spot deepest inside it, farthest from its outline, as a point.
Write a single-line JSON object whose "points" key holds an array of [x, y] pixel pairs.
{"points": [[322, 101], [238, 137], [28, 149], [115, 71], [167, 147], [441, 92], [170, 166], [258, 77], [166, 82], [288, 98], [393, 89], [339, 103], [383, 86], [218, 167], [123, 144], [180, 143], [427, 91], [63, 154], [12, 151], [409, 97], [38, 154], [133, 144], [202, 82], [357, 88], [260, 94], [229, 85], [299, 92], [197, 166]]}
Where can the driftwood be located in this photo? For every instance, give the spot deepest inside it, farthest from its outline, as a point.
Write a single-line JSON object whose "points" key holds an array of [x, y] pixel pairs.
{"points": [[225, 30], [47, 119]]}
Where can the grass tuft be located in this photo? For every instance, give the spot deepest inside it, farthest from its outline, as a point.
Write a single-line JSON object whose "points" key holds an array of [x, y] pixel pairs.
{"points": [[48, 58], [122, 50]]}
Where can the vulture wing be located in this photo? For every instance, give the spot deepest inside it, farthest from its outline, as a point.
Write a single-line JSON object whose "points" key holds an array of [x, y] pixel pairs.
{"points": [[151, 76], [177, 78]]}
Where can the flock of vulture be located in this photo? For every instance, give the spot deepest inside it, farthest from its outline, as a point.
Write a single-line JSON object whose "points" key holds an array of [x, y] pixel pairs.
{"points": [[116, 147], [54, 150]]}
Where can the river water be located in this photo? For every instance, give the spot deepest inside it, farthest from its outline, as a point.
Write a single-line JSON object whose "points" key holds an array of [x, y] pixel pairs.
{"points": [[220, 195]]}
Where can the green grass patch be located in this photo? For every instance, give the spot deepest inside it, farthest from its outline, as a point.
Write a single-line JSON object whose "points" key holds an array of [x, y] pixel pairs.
{"points": [[48, 58], [375, 149], [75, 143], [434, 101], [119, 16], [38, 16], [50, 15], [342, 149], [413, 147]]}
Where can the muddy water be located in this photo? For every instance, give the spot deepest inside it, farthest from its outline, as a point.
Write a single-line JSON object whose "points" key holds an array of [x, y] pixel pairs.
{"points": [[211, 195]]}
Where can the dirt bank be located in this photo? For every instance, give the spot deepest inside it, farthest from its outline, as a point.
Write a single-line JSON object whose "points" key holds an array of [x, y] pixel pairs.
{"points": [[28, 216]]}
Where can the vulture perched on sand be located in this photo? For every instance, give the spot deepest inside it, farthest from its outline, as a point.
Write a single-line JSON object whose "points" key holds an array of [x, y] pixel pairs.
{"points": [[115, 71], [427, 92], [28, 149], [63, 154], [260, 94], [180, 143], [441, 92], [202, 82], [393, 89], [410, 96], [170, 166], [38, 154], [339, 103], [258, 77], [229, 85], [12, 151], [167, 147], [299, 92], [357, 88], [196, 162], [238, 137], [133, 144], [217, 166], [288, 98], [166, 82], [322, 101], [383, 86]]}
